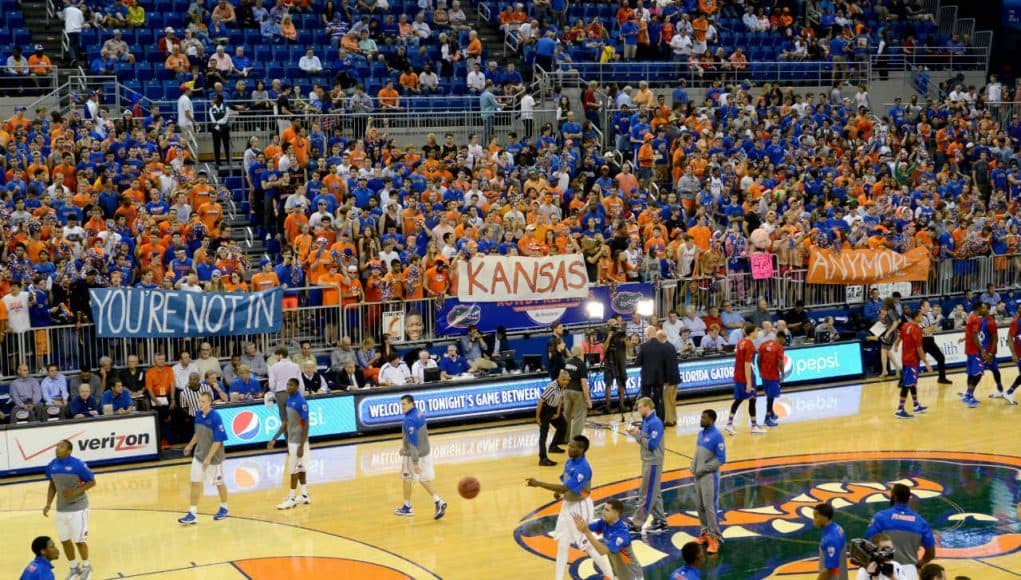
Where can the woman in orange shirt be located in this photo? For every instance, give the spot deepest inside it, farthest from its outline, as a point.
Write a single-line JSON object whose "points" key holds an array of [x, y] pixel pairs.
{"points": [[287, 29]]}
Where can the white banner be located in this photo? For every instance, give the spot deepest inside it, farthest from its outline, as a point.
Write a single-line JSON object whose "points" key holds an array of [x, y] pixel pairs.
{"points": [[393, 324], [121, 439], [952, 345], [516, 278]]}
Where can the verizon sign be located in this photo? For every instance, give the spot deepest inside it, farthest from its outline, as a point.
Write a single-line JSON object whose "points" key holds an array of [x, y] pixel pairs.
{"points": [[128, 438]]}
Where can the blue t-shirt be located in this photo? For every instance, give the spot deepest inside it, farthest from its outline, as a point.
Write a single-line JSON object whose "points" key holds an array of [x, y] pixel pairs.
{"points": [[249, 387], [686, 573], [831, 547], [119, 402], [38, 569], [577, 475]]}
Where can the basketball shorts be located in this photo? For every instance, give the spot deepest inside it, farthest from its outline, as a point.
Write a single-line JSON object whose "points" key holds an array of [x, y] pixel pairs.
{"points": [[73, 526], [993, 365], [566, 529], [212, 475], [909, 378], [975, 365], [298, 463], [740, 392], [425, 465], [772, 388]]}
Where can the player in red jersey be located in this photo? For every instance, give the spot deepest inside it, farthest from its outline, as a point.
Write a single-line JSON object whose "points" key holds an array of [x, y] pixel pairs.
{"points": [[993, 365], [912, 355], [977, 350], [1014, 343], [744, 380], [771, 372]]}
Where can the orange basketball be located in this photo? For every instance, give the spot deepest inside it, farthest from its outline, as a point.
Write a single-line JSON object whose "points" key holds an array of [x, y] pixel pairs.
{"points": [[468, 487]]}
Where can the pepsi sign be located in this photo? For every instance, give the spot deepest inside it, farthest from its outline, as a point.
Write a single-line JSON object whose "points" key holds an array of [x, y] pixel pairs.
{"points": [[254, 423]]}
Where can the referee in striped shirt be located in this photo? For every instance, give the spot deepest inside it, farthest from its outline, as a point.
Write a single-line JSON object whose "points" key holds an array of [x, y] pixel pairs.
{"points": [[190, 393], [550, 411], [930, 325]]}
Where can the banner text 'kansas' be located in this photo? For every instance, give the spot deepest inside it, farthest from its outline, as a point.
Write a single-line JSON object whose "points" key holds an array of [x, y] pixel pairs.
{"points": [[505, 278], [139, 313]]}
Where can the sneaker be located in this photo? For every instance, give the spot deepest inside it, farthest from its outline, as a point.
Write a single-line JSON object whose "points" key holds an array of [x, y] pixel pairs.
{"points": [[971, 402], [729, 429], [996, 395], [770, 422], [703, 539], [404, 510], [1009, 397], [546, 462], [631, 527], [919, 409], [86, 572], [758, 430], [188, 519], [658, 528], [287, 504], [441, 510], [74, 573], [902, 414], [221, 514], [556, 449], [713, 546]]}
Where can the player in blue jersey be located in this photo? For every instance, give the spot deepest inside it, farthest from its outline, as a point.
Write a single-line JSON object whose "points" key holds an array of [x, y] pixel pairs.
{"points": [[70, 479], [693, 558], [907, 529], [832, 561], [574, 488], [207, 463], [616, 540], [40, 568], [296, 424], [416, 459], [710, 454]]}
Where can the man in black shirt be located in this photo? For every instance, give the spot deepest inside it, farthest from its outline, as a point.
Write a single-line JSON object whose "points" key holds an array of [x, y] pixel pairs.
{"points": [[577, 400], [654, 358], [615, 364], [133, 379], [797, 319]]}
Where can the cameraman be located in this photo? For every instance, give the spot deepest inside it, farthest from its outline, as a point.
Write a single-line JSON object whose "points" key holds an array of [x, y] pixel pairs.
{"points": [[615, 365], [895, 570]]}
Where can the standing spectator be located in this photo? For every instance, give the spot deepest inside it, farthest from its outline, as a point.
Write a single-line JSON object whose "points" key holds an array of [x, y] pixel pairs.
{"points": [[74, 22], [220, 116], [17, 304], [282, 371], [488, 106], [160, 386], [186, 114]]}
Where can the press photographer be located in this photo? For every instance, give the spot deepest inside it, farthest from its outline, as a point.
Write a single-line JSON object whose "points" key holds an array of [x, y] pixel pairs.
{"points": [[875, 559], [615, 364]]}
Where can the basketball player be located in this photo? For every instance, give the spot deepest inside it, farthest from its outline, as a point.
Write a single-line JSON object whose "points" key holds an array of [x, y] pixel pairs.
{"points": [[417, 464], [693, 558], [650, 440], [976, 349], [912, 354], [993, 365], [710, 454], [296, 424], [207, 465], [1014, 342], [832, 561], [744, 381], [907, 529], [770, 368], [45, 551], [616, 543], [70, 479], [574, 486]]}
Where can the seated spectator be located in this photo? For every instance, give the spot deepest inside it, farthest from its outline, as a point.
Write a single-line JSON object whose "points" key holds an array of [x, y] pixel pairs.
{"points": [[592, 344], [221, 61], [287, 29], [713, 341], [312, 380], [27, 395], [687, 343], [424, 362], [389, 99], [473, 345], [215, 385], [17, 64], [351, 378], [367, 46], [118, 399], [310, 64], [168, 41], [441, 19], [254, 361], [457, 18], [409, 82], [83, 405], [341, 355], [797, 319], [453, 364], [394, 373], [245, 386], [761, 313], [177, 62], [826, 331], [116, 49], [420, 27], [476, 79], [270, 31], [135, 17], [86, 377], [54, 387], [39, 64], [224, 12], [428, 81], [694, 324]]}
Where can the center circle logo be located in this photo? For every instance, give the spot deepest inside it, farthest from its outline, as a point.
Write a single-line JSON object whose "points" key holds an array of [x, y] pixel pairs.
{"points": [[766, 509], [245, 425]]}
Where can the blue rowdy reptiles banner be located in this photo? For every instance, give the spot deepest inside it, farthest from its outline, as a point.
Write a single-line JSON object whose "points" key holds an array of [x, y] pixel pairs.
{"points": [[141, 313], [455, 316]]}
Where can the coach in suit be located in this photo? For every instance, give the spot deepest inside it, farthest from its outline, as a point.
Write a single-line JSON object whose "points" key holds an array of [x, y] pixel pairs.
{"points": [[654, 358], [350, 377]]}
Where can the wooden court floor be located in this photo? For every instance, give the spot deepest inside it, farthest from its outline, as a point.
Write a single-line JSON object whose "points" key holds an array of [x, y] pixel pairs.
{"points": [[841, 444]]}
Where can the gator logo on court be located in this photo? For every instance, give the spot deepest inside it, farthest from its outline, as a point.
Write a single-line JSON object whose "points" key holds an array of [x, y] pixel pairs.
{"points": [[766, 510], [464, 315], [625, 302]]}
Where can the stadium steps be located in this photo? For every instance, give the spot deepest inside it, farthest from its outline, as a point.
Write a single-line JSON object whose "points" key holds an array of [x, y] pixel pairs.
{"points": [[44, 31]]}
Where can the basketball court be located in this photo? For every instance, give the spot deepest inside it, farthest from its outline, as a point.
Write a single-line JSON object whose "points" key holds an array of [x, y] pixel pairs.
{"points": [[840, 444]]}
